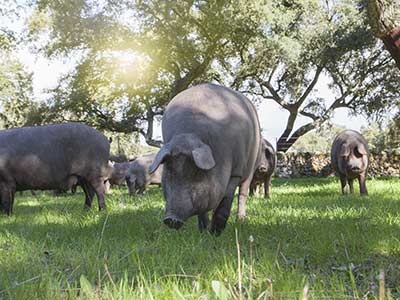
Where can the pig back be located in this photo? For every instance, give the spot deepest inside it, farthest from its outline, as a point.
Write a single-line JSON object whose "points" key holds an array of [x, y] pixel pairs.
{"points": [[222, 118], [44, 156]]}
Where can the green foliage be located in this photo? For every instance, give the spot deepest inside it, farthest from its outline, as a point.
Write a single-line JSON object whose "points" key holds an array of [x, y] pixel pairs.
{"points": [[301, 41], [375, 136], [136, 55], [393, 133], [132, 57], [379, 138], [15, 92], [318, 140], [382, 138], [307, 232], [128, 144]]}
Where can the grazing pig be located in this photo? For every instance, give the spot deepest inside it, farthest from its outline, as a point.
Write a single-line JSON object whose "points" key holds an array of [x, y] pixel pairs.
{"points": [[350, 159], [211, 145], [119, 173], [139, 176], [53, 157], [265, 169]]}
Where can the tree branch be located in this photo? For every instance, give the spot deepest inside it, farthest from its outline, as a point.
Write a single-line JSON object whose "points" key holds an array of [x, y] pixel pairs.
{"points": [[310, 87]]}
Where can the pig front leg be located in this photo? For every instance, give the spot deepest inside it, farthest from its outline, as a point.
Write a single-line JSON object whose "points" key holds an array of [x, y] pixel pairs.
{"points": [[203, 221], [363, 187], [131, 183], [7, 199], [267, 183], [222, 212], [243, 192], [351, 185], [343, 182]]}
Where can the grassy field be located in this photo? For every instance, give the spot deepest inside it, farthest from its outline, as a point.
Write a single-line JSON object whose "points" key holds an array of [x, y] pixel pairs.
{"points": [[308, 233]]}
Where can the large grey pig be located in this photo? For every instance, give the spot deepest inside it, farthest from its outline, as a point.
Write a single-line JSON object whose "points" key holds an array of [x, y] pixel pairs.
{"points": [[53, 157], [139, 176], [265, 169], [350, 159], [211, 145]]}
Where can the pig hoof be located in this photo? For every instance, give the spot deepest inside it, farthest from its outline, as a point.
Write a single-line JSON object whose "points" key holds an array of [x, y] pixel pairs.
{"points": [[173, 223], [216, 232]]}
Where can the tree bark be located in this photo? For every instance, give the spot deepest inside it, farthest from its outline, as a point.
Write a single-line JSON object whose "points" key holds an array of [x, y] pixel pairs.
{"points": [[149, 133], [384, 18], [392, 44]]}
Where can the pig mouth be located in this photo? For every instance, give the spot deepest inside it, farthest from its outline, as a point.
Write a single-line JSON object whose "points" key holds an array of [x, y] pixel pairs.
{"points": [[354, 171], [173, 222]]}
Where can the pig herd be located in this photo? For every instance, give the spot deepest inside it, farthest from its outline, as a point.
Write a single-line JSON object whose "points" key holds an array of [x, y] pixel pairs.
{"points": [[212, 145]]}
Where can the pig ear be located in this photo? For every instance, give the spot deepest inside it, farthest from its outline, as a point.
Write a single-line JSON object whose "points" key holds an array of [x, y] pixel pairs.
{"points": [[361, 149], [203, 157], [160, 158], [344, 150], [269, 151]]}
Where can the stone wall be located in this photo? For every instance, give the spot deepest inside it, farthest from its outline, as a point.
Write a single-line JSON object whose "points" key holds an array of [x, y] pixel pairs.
{"points": [[305, 164]]}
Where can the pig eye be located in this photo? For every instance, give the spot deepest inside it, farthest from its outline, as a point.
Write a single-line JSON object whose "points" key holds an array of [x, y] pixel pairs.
{"points": [[357, 153]]}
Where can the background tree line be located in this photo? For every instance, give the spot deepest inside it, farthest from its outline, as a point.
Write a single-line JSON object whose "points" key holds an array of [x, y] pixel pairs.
{"points": [[132, 57]]}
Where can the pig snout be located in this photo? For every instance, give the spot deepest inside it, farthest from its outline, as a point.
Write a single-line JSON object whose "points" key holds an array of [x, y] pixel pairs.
{"points": [[354, 167], [262, 169], [172, 221], [176, 215]]}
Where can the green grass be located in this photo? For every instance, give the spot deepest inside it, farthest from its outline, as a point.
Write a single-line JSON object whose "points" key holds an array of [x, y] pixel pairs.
{"points": [[307, 233]]}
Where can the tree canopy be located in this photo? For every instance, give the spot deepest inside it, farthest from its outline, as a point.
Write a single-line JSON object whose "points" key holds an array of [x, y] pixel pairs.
{"points": [[308, 40], [15, 82], [132, 57]]}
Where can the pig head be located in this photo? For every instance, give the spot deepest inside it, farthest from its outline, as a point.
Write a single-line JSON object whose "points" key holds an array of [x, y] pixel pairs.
{"points": [[352, 159], [188, 165]]}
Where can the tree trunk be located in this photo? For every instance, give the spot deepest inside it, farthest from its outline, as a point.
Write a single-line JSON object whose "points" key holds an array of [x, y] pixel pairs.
{"points": [[392, 44], [384, 18], [149, 133], [286, 140]]}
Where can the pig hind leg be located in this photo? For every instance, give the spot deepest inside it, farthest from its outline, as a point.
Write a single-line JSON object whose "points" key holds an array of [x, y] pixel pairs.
{"points": [[89, 192], [253, 187], [222, 212], [99, 189], [243, 192]]}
